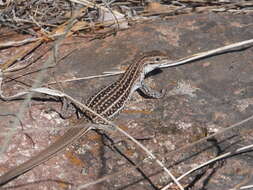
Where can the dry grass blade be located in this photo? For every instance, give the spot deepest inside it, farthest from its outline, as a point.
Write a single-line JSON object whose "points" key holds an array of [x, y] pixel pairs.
{"points": [[61, 94], [20, 55], [21, 110], [105, 10], [239, 150], [128, 136], [247, 187], [94, 5], [17, 43], [116, 174], [213, 160], [64, 31], [26, 16], [82, 78], [181, 61], [58, 32], [40, 76], [215, 134], [245, 181], [219, 50]]}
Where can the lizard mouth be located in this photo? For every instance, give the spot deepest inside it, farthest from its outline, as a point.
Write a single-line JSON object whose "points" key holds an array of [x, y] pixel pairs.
{"points": [[166, 63]]}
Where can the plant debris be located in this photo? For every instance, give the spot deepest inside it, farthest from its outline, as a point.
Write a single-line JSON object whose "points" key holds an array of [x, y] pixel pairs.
{"points": [[30, 16]]}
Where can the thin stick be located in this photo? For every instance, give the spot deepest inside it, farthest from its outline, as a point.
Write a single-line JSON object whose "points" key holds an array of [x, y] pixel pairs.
{"points": [[130, 137], [21, 110], [247, 187], [208, 53], [82, 106], [29, 94], [231, 127], [181, 61], [215, 134], [82, 78], [124, 170], [210, 161], [94, 5], [18, 43]]}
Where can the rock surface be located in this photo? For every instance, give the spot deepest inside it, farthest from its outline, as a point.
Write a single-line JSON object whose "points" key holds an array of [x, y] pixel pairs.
{"points": [[202, 97]]}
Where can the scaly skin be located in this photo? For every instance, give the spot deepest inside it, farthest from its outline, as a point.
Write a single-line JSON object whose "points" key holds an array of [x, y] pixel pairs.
{"points": [[108, 102]]}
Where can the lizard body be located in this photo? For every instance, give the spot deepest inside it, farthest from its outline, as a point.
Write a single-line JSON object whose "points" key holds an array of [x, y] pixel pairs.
{"points": [[108, 102]]}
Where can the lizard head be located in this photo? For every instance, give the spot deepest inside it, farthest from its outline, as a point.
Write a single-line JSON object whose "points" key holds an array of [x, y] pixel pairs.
{"points": [[152, 60]]}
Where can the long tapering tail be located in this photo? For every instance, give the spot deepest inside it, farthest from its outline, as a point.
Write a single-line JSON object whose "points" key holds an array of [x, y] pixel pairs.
{"points": [[68, 138]]}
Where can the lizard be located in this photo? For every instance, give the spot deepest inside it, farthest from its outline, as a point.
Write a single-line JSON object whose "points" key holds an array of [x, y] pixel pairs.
{"points": [[107, 102]]}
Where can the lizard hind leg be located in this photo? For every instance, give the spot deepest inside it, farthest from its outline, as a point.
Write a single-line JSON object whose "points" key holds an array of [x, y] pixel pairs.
{"points": [[103, 127], [68, 109]]}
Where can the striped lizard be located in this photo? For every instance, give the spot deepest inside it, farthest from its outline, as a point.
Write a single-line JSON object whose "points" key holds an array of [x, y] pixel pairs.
{"points": [[108, 102]]}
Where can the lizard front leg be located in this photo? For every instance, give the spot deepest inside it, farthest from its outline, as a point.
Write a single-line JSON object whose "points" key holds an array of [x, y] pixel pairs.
{"points": [[147, 91]]}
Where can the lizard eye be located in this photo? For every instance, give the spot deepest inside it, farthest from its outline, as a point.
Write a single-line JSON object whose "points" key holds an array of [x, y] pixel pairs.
{"points": [[157, 59]]}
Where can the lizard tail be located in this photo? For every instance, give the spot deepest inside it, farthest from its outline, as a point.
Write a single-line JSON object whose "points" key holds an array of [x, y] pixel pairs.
{"points": [[68, 138]]}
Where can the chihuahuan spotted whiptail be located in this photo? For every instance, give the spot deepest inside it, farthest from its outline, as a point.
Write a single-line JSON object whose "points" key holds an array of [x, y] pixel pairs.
{"points": [[108, 102]]}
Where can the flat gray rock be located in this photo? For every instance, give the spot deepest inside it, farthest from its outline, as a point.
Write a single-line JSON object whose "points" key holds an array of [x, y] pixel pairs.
{"points": [[202, 97]]}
